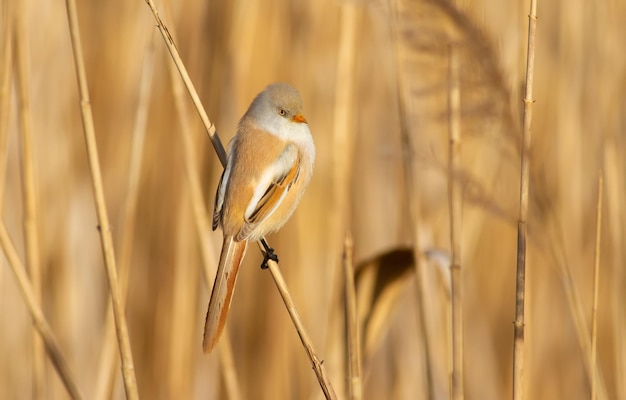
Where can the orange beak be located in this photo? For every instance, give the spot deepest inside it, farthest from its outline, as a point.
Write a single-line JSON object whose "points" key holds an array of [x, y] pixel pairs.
{"points": [[299, 118]]}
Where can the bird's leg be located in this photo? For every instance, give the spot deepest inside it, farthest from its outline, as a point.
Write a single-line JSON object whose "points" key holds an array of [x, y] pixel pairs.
{"points": [[268, 254]]}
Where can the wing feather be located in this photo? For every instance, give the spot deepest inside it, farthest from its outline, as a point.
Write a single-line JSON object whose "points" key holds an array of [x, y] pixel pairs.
{"points": [[221, 193], [272, 191]]}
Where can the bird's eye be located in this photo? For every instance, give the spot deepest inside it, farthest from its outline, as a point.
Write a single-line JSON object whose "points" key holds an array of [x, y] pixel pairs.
{"points": [[282, 112]]}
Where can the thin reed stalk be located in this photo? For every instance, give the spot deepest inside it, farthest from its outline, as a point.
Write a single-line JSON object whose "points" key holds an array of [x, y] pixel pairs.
{"points": [[343, 124], [355, 388], [109, 362], [343, 138], [575, 304], [128, 369], [520, 292], [53, 350], [456, 223], [319, 369], [596, 283], [171, 47], [613, 167], [29, 189], [408, 151], [318, 366], [6, 63], [203, 229], [179, 352], [202, 224]]}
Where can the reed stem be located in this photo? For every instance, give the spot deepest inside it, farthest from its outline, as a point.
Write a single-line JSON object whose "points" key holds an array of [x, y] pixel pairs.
{"points": [[520, 290]]}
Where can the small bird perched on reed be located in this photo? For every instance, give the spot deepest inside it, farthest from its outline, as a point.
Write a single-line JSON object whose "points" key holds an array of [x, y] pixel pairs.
{"points": [[269, 165]]}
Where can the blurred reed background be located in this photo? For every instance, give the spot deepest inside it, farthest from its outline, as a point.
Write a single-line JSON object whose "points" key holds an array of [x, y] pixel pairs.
{"points": [[373, 75]]}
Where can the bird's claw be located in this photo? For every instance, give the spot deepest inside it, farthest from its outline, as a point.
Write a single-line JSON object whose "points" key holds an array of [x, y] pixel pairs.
{"points": [[268, 255]]}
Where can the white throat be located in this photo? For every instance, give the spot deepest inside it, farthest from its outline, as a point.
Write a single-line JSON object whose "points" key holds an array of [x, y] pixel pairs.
{"points": [[291, 132]]}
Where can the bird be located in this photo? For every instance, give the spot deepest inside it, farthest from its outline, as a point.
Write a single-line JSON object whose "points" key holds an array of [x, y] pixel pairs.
{"points": [[269, 165]]}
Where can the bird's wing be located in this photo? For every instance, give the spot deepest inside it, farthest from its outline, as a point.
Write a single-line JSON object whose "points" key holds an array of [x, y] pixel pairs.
{"points": [[221, 192], [271, 189]]}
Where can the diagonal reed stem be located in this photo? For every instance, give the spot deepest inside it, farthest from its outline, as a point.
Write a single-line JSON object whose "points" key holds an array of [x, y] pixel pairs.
{"points": [[318, 367], [203, 227], [39, 321], [520, 291], [575, 305], [171, 47], [128, 369]]}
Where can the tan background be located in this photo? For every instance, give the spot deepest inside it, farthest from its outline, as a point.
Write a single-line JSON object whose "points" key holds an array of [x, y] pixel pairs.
{"points": [[232, 50]]}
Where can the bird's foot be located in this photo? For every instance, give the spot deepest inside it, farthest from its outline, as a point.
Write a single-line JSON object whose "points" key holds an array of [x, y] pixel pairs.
{"points": [[268, 254]]}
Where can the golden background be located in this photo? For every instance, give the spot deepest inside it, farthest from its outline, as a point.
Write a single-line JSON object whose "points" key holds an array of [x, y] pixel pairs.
{"points": [[374, 79]]}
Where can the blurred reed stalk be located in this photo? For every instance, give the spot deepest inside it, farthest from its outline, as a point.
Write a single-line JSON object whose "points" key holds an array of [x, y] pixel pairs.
{"points": [[596, 283], [202, 224], [181, 347], [355, 388], [195, 188], [518, 336], [109, 362], [575, 304], [613, 173], [343, 138], [203, 229], [456, 222], [29, 188], [343, 125], [128, 369], [6, 61], [39, 320], [408, 151], [318, 367]]}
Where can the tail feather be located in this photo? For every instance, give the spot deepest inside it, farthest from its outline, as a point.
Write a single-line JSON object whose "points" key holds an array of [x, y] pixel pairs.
{"points": [[223, 288]]}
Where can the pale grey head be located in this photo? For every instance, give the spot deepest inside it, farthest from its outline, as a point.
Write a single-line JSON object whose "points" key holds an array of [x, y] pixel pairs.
{"points": [[278, 110], [277, 100]]}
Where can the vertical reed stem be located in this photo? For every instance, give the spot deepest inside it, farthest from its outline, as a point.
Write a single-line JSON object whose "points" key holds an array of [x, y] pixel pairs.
{"points": [[343, 139], [109, 362], [6, 60], [596, 283], [613, 173], [29, 188], [128, 369], [456, 223], [355, 389], [520, 292], [408, 149]]}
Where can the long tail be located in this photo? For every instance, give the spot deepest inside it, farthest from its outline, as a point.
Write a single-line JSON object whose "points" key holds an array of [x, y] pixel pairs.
{"points": [[223, 288]]}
